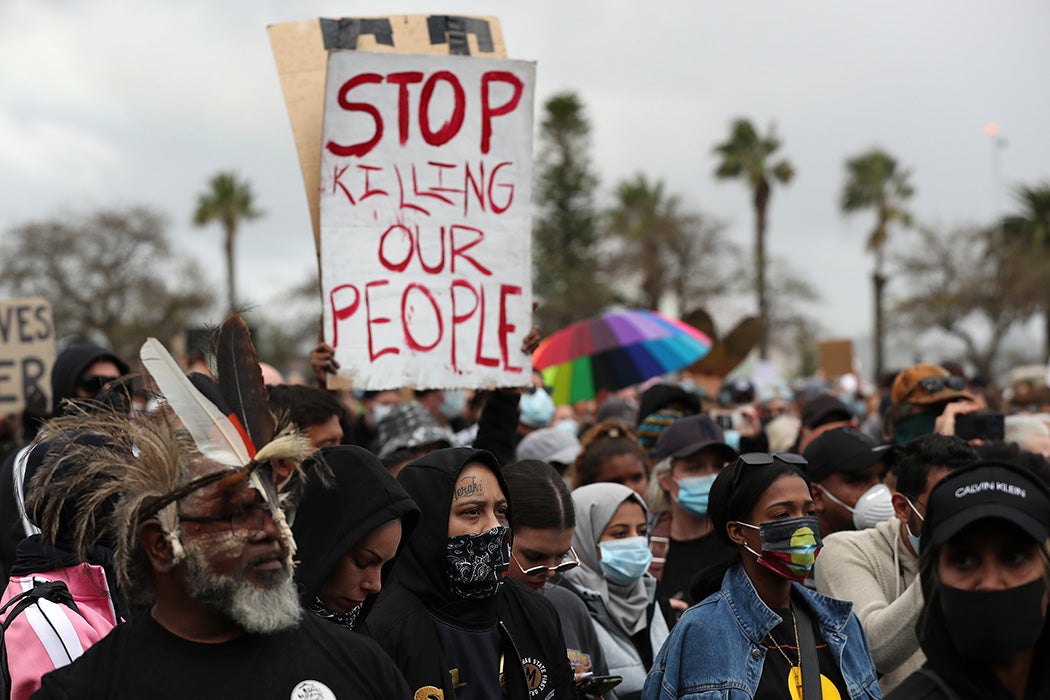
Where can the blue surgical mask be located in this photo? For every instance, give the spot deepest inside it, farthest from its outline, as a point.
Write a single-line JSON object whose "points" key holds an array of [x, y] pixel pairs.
{"points": [[453, 403], [625, 561], [568, 425], [914, 539], [859, 408], [693, 493], [537, 408]]}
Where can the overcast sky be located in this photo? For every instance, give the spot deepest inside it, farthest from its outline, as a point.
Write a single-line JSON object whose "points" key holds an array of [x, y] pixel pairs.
{"points": [[120, 102]]}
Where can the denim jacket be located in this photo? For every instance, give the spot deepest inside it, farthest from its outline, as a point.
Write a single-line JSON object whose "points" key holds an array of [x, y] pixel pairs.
{"points": [[716, 651]]}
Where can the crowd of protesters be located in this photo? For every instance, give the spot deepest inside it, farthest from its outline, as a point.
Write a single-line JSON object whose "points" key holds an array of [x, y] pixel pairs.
{"points": [[768, 541]]}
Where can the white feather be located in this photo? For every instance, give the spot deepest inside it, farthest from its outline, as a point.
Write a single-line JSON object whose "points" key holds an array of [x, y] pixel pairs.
{"points": [[214, 433]]}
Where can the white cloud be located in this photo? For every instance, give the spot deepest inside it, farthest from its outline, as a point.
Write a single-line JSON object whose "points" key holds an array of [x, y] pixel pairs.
{"points": [[50, 153], [142, 100]]}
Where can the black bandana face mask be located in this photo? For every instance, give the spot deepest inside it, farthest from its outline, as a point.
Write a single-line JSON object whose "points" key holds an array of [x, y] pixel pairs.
{"points": [[477, 564], [344, 619], [994, 625]]}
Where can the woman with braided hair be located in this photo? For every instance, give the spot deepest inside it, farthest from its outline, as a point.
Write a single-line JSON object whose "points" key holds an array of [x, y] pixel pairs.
{"points": [[611, 453]]}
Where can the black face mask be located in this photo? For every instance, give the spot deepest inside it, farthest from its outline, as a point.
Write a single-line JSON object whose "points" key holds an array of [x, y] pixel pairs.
{"points": [[477, 564], [345, 619], [994, 625]]}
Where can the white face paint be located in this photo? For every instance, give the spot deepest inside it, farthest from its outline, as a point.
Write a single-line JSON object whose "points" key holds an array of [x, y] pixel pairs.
{"points": [[269, 495], [234, 560]]}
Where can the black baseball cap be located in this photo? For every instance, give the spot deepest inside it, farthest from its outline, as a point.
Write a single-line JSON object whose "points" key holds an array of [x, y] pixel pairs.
{"points": [[845, 449], [824, 408], [688, 436], [988, 489]]}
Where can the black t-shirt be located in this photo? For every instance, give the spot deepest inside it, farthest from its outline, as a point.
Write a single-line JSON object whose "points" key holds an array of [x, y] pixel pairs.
{"points": [[774, 684], [315, 659], [474, 657], [918, 686], [684, 559]]}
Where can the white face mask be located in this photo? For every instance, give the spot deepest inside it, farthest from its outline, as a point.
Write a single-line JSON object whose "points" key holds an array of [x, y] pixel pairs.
{"points": [[873, 507], [380, 411]]}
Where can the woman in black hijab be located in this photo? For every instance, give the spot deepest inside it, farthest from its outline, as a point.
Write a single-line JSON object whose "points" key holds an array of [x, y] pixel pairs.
{"points": [[347, 531]]}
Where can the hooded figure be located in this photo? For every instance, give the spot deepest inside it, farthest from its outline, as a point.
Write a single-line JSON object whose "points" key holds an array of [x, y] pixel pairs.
{"points": [[450, 620], [70, 379], [332, 527], [70, 364]]}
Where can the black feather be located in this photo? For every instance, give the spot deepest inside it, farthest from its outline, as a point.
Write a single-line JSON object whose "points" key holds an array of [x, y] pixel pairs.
{"points": [[240, 380]]}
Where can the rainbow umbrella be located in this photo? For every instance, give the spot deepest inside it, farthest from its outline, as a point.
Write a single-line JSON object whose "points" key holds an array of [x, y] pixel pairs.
{"points": [[615, 350]]}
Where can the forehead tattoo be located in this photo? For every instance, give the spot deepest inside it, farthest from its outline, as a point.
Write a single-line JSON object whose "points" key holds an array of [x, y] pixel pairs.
{"points": [[466, 487]]}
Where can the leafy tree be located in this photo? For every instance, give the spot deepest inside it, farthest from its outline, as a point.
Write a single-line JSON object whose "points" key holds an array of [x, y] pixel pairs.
{"points": [[1028, 233], [289, 330], [567, 272], [747, 155], [668, 250], [788, 291], [110, 274], [229, 202], [967, 283], [875, 181]]}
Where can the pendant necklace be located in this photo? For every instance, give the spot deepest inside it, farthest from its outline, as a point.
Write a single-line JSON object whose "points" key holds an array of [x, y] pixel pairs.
{"points": [[795, 672]]}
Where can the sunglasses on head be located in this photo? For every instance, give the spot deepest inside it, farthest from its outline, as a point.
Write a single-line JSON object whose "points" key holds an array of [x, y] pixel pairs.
{"points": [[764, 459], [931, 385]]}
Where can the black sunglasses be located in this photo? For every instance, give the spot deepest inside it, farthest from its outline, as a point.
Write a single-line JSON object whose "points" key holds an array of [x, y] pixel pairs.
{"points": [[764, 459], [94, 383], [931, 385]]}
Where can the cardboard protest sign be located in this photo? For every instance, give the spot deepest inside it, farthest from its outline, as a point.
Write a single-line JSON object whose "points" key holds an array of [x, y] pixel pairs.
{"points": [[836, 357], [300, 50], [27, 352], [425, 204]]}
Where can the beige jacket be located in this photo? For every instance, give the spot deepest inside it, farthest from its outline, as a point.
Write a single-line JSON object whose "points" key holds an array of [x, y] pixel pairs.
{"points": [[877, 572]]}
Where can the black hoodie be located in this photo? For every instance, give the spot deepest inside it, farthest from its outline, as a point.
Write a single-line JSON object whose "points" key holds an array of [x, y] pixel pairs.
{"points": [[69, 365], [404, 618], [331, 519]]}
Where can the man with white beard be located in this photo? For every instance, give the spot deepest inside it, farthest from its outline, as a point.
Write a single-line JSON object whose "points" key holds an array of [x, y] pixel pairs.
{"points": [[207, 544]]}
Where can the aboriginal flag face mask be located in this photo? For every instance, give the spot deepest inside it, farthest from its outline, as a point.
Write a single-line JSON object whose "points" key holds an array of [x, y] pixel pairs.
{"points": [[789, 547]]}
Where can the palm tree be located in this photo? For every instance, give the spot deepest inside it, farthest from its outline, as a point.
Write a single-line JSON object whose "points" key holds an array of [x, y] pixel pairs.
{"points": [[675, 254], [875, 181], [645, 221], [1030, 229], [229, 202], [747, 155]]}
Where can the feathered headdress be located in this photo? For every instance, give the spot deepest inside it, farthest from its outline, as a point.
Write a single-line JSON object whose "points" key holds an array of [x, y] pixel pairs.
{"points": [[229, 418], [146, 463], [109, 463]]}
